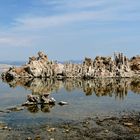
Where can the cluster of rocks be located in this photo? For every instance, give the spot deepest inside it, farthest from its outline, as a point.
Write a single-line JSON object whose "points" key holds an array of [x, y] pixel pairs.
{"points": [[41, 67], [135, 64], [39, 100], [34, 102]]}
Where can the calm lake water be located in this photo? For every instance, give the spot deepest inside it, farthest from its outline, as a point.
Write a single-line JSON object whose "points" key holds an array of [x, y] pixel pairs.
{"points": [[85, 98]]}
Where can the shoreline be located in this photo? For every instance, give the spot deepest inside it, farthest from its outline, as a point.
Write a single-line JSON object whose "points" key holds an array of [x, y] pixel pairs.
{"points": [[124, 126]]}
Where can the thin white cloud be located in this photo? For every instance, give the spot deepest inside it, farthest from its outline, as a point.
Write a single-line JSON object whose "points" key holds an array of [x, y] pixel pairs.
{"points": [[51, 21], [15, 41], [74, 3], [25, 24], [38, 23], [83, 4]]}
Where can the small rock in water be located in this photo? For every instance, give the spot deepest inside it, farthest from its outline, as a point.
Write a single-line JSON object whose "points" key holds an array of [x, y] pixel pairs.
{"points": [[52, 101], [51, 138], [51, 129], [37, 137], [128, 124], [5, 111], [106, 131], [5, 127], [10, 129], [63, 103], [2, 125], [29, 138], [66, 131], [16, 108]]}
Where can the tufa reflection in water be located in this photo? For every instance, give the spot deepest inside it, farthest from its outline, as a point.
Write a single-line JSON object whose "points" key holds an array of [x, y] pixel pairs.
{"points": [[34, 108], [100, 87]]}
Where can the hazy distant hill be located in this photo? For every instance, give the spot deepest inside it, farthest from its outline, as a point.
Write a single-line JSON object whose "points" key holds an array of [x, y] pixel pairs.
{"points": [[15, 63], [4, 67], [19, 63], [72, 61]]}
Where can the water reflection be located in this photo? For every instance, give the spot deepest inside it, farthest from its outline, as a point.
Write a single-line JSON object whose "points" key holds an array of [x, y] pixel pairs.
{"points": [[34, 108], [100, 87]]}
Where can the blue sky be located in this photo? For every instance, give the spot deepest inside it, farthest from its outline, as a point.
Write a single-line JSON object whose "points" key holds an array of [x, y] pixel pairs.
{"points": [[68, 29]]}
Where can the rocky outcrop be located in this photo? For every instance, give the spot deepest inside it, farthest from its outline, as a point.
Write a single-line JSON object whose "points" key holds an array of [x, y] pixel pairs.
{"points": [[41, 67], [135, 64]]}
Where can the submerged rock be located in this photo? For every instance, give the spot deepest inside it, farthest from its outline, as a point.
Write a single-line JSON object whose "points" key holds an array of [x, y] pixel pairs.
{"points": [[29, 138], [2, 125], [16, 108], [128, 124], [63, 103]]}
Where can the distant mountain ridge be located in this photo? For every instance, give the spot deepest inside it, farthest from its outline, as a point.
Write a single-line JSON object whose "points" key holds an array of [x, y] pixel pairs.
{"points": [[4, 67], [16, 63], [71, 61], [19, 63]]}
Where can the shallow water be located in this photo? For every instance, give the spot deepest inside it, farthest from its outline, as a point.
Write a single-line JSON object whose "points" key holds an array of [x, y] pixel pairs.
{"points": [[85, 99]]}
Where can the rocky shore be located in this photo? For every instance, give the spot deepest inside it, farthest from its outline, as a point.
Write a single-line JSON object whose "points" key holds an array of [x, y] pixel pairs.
{"points": [[124, 127], [103, 67]]}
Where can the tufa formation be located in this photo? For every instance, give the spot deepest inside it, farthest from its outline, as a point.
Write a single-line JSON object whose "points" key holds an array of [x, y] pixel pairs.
{"points": [[100, 67]]}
